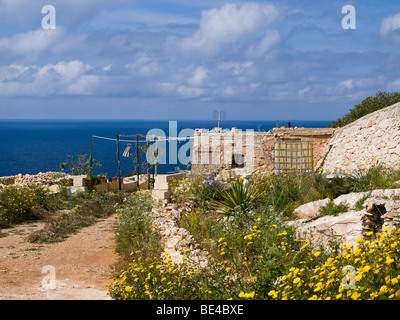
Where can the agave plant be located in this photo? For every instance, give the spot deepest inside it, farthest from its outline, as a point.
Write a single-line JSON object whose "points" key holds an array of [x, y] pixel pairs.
{"points": [[238, 199]]}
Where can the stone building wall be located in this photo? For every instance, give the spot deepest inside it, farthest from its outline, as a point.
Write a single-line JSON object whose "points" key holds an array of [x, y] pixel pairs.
{"points": [[218, 150], [374, 138]]}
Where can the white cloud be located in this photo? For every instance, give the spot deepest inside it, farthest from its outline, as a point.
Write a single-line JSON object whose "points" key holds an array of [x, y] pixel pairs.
{"points": [[271, 39], [32, 41], [31, 44], [190, 92], [302, 92], [390, 27], [200, 75], [346, 84], [228, 24], [236, 68], [144, 65], [12, 72], [394, 85], [62, 78], [28, 13]]}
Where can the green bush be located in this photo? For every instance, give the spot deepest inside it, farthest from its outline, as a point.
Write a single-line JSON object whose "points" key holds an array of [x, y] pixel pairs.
{"points": [[18, 204], [135, 235], [332, 209], [239, 199], [370, 104], [375, 176]]}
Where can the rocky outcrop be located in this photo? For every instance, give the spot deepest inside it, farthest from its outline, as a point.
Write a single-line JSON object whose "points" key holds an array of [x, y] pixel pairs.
{"points": [[374, 138], [381, 209]]}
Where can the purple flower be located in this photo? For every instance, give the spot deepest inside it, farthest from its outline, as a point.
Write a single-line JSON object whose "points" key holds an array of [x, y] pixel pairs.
{"points": [[214, 182]]}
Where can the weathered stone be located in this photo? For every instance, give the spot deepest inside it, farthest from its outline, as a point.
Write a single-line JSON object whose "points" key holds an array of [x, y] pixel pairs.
{"points": [[345, 227], [379, 212], [350, 199], [365, 142], [176, 240], [310, 210]]}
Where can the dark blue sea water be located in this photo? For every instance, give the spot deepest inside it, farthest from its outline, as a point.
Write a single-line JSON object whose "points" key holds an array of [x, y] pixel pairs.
{"points": [[32, 146]]}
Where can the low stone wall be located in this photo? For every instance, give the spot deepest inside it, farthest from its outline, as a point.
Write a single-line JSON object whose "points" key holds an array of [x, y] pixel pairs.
{"points": [[46, 178], [177, 243]]}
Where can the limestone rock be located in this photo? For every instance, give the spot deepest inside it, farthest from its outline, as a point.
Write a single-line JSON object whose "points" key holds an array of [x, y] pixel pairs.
{"points": [[350, 199], [381, 210], [310, 210], [345, 227]]}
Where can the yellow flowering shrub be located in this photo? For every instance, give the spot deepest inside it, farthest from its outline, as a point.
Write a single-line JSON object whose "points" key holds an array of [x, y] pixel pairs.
{"points": [[161, 279], [368, 271], [17, 203]]}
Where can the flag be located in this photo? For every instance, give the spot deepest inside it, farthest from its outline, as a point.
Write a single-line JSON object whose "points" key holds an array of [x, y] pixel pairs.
{"points": [[126, 152]]}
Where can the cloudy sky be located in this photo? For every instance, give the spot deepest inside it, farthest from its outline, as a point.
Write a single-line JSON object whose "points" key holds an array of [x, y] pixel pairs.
{"points": [[183, 59]]}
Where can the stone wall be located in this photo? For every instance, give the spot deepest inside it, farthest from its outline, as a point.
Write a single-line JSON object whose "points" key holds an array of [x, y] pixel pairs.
{"points": [[372, 139], [218, 150], [43, 178]]}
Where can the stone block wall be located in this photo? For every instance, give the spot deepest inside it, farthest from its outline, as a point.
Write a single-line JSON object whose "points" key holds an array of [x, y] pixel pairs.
{"points": [[372, 139]]}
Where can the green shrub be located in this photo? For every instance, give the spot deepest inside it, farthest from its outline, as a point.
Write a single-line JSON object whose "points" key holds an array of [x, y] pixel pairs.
{"points": [[332, 209], [239, 199], [135, 235], [211, 190], [18, 204], [370, 104], [375, 176]]}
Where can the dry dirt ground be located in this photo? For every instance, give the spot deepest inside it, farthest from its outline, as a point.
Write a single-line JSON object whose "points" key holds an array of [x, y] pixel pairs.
{"points": [[82, 264]]}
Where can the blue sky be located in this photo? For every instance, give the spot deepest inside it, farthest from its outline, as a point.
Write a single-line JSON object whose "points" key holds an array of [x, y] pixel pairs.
{"points": [[181, 59]]}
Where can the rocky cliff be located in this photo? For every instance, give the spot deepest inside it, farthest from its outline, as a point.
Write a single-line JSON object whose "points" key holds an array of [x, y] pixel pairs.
{"points": [[374, 138]]}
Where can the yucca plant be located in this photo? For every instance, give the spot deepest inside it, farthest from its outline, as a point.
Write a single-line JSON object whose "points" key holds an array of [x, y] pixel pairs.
{"points": [[239, 199]]}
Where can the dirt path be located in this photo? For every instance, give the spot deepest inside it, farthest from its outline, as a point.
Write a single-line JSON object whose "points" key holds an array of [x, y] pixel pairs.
{"points": [[82, 264]]}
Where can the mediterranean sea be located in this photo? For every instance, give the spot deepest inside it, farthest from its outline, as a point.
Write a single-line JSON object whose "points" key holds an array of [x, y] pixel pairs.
{"points": [[33, 146]]}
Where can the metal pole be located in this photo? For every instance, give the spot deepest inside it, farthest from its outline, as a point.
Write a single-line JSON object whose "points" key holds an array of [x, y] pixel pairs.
{"points": [[139, 164], [148, 168], [91, 155], [119, 164], [156, 151]]}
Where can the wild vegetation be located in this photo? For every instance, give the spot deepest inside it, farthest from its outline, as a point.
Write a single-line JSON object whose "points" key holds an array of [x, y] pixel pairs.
{"points": [[62, 213], [254, 253], [244, 225]]}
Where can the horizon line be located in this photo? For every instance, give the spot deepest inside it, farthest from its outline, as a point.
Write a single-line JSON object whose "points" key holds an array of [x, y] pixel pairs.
{"points": [[85, 119]]}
